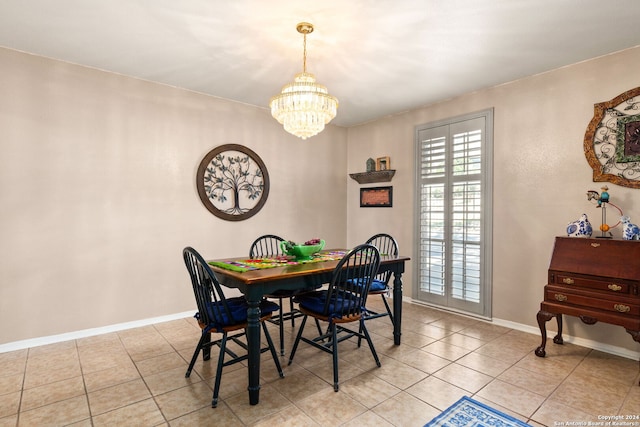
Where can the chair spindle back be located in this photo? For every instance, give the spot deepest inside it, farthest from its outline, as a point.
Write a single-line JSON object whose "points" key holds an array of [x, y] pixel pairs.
{"points": [[347, 292], [387, 246], [265, 246], [211, 302]]}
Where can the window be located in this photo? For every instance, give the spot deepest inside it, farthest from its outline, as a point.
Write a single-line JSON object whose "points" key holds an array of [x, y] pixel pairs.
{"points": [[454, 182]]}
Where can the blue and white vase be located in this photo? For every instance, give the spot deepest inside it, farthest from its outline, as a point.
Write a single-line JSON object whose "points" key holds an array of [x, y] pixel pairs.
{"points": [[580, 227], [629, 231]]}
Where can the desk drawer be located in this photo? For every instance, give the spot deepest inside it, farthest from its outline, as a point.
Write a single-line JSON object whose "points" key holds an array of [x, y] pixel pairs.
{"points": [[620, 305], [602, 284]]}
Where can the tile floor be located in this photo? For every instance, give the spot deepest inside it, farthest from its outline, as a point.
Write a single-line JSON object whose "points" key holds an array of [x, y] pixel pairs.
{"points": [[136, 377]]}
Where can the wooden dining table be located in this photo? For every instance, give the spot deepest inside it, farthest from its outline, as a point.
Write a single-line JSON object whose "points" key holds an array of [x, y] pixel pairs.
{"points": [[255, 283]]}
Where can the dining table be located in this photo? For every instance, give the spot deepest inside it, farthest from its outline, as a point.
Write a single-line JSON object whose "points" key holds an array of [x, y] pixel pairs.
{"points": [[256, 278]]}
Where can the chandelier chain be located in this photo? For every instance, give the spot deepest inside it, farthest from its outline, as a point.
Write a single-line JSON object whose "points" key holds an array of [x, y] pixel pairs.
{"points": [[304, 55]]}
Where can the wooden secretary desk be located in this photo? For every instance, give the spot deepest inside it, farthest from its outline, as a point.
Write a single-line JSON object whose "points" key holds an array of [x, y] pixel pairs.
{"points": [[596, 280]]}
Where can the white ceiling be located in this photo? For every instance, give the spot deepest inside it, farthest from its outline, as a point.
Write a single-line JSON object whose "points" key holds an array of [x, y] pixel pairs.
{"points": [[378, 57]]}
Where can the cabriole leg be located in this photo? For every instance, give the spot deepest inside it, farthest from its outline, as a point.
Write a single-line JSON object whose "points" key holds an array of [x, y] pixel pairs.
{"points": [[543, 317]]}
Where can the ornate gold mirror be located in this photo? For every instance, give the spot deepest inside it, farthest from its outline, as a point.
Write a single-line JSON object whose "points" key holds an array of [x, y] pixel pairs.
{"points": [[612, 140]]}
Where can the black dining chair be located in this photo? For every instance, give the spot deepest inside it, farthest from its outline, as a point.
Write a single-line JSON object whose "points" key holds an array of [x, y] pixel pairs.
{"points": [[342, 303], [386, 245], [266, 246], [218, 314]]}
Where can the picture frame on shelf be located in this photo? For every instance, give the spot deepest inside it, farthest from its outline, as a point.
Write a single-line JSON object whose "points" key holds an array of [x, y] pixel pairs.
{"points": [[383, 163], [376, 197]]}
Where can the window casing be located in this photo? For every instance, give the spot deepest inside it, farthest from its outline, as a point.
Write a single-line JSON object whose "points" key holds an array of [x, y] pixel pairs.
{"points": [[453, 218]]}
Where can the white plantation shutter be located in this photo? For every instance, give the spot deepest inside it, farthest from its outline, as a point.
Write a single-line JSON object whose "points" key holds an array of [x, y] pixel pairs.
{"points": [[454, 193]]}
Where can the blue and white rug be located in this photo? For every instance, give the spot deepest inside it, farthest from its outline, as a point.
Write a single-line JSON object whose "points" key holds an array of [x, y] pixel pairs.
{"points": [[467, 412]]}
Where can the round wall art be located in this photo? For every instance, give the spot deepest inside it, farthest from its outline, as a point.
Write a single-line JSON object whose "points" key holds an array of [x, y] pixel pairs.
{"points": [[612, 140], [233, 182]]}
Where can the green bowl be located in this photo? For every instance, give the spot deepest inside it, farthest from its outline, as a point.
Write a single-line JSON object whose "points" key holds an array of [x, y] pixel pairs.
{"points": [[301, 252]]}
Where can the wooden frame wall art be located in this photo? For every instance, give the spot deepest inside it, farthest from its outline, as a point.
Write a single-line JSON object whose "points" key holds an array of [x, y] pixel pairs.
{"points": [[383, 163], [376, 197], [232, 182], [612, 140]]}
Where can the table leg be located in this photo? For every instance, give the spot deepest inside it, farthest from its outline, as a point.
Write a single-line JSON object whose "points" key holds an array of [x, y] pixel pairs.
{"points": [[253, 342], [558, 338], [543, 317], [634, 334], [636, 337], [397, 307]]}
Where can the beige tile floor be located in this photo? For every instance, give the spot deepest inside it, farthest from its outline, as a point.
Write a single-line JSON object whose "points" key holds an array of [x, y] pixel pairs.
{"points": [[136, 377]]}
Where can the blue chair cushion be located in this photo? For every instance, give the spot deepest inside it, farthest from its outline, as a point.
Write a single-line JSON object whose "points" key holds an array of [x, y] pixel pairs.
{"points": [[376, 285], [315, 302], [238, 308]]}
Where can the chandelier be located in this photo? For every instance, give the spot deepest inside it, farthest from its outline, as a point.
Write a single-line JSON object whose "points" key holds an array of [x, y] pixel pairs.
{"points": [[304, 106]]}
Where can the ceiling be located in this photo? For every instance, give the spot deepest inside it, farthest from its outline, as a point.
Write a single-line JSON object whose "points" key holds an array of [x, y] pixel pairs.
{"points": [[378, 57]]}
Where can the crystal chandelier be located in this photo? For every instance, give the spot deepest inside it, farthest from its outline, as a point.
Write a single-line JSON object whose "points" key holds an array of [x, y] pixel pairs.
{"points": [[304, 106]]}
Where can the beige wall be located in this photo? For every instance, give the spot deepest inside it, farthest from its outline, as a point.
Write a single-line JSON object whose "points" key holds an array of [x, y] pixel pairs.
{"points": [[97, 188], [98, 196], [541, 177]]}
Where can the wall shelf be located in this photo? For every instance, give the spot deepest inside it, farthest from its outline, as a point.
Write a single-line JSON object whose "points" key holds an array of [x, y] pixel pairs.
{"points": [[375, 176]]}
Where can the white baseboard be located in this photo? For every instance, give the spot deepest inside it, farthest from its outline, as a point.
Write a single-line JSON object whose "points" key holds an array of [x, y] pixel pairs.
{"points": [[52, 339], [36, 342], [583, 342]]}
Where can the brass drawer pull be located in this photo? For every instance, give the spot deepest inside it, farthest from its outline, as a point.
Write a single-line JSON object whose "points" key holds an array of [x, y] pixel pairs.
{"points": [[563, 298], [615, 287], [622, 308], [568, 281], [595, 245]]}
